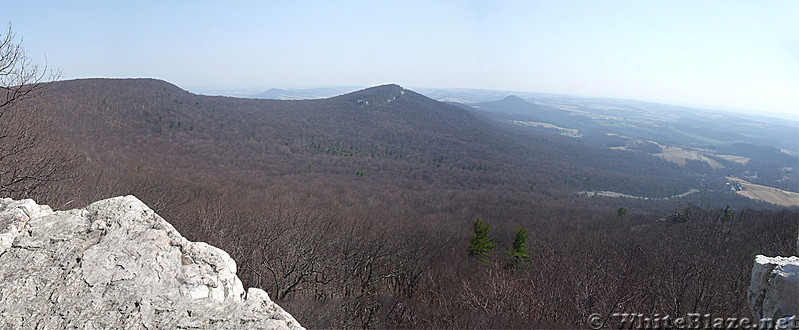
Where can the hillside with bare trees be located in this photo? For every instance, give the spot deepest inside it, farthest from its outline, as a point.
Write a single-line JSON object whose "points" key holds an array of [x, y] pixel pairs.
{"points": [[356, 210]]}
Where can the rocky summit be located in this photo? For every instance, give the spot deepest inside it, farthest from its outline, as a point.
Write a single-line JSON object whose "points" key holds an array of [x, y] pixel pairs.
{"points": [[117, 264]]}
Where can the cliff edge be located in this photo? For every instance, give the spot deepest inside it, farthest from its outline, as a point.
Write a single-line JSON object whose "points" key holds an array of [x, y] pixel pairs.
{"points": [[117, 264], [774, 290]]}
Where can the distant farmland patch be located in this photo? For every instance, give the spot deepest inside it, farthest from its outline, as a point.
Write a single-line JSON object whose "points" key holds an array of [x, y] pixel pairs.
{"points": [[766, 194], [680, 155], [563, 131], [734, 158]]}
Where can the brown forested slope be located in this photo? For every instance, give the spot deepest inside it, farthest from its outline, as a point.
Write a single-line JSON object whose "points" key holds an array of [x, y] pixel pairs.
{"points": [[388, 133], [358, 215]]}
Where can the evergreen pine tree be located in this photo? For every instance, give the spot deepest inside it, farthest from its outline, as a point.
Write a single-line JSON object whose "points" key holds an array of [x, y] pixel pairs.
{"points": [[728, 214], [479, 243], [518, 253]]}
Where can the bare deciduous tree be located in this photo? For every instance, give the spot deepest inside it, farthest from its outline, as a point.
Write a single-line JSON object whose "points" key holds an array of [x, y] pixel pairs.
{"points": [[19, 77], [29, 159]]}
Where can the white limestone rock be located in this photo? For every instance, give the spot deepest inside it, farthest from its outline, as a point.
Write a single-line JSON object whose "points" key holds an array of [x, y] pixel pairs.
{"points": [[14, 215], [117, 264], [774, 287]]}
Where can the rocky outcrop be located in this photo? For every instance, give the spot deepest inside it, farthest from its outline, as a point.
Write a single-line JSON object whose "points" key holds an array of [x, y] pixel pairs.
{"points": [[117, 264], [774, 288]]}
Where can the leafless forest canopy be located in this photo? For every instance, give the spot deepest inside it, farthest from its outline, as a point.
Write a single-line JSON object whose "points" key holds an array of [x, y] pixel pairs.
{"points": [[356, 211]]}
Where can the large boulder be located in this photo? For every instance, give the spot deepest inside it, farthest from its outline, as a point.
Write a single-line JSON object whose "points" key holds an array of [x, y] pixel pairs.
{"points": [[117, 264], [774, 288]]}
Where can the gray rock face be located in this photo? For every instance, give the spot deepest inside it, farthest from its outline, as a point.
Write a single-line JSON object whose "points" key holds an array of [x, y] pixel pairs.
{"points": [[774, 288], [117, 264]]}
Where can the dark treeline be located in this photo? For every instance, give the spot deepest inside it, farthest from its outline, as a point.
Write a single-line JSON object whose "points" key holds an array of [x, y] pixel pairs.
{"points": [[355, 211]]}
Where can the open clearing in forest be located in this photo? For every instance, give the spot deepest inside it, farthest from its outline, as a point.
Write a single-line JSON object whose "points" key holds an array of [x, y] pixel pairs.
{"points": [[765, 193]]}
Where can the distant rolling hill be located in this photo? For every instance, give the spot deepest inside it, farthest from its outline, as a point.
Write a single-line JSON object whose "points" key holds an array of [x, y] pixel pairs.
{"points": [[761, 149], [304, 93], [513, 108], [387, 134], [510, 105]]}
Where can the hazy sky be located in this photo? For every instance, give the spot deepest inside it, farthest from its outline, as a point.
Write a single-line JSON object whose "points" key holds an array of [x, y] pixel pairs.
{"points": [[742, 54]]}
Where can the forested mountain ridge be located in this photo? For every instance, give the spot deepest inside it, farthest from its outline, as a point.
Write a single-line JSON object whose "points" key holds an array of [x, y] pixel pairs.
{"points": [[356, 210], [385, 131]]}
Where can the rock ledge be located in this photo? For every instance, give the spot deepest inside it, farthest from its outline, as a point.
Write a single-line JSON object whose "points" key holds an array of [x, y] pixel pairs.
{"points": [[774, 288], [117, 264]]}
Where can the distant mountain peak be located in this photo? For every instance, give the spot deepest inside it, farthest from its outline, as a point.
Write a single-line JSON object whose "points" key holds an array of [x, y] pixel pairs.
{"points": [[304, 93], [513, 98], [275, 90], [509, 104], [378, 95], [387, 88]]}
